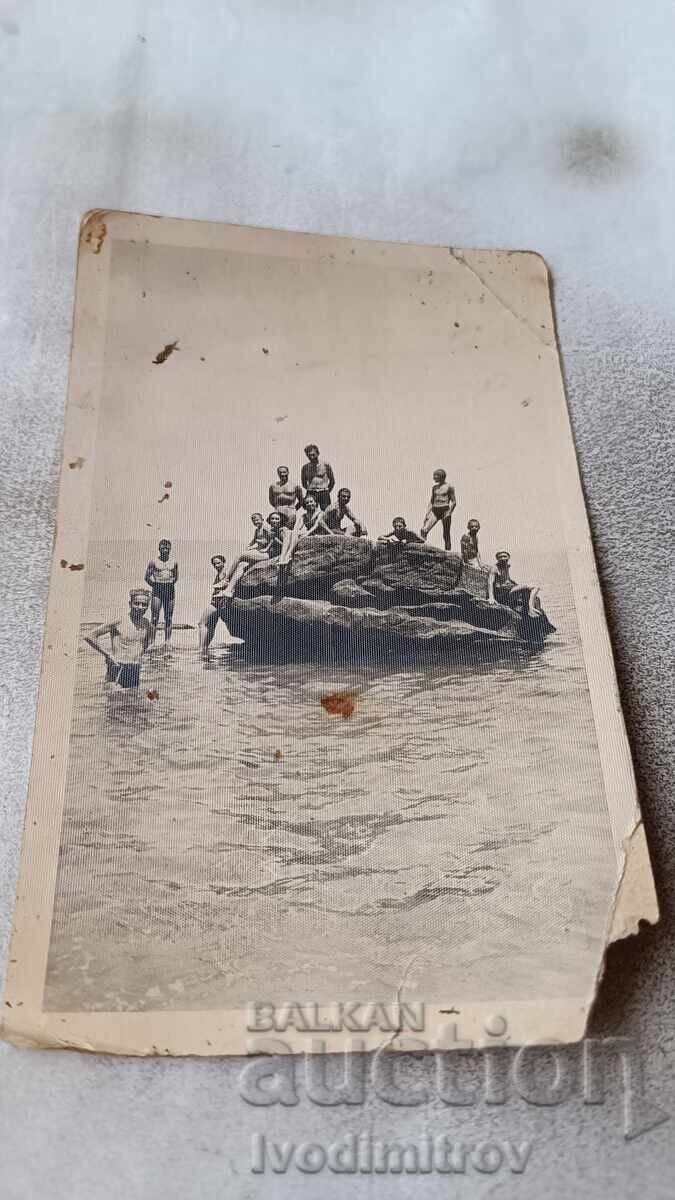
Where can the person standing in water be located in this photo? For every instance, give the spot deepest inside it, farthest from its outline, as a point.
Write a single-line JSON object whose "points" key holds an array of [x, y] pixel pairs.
{"points": [[441, 507], [216, 610], [285, 497], [317, 477], [162, 576], [130, 637]]}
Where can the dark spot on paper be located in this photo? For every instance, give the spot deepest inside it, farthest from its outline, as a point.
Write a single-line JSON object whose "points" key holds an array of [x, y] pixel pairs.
{"points": [[265, 350], [202, 359], [152, 695], [280, 419], [141, 38], [143, 294], [594, 152], [76, 464], [168, 484], [64, 562], [165, 353], [456, 324], [166, 496], [278, 756], [525, 403], [339, 704], [447, 1012], [95, 236], [76, 567]]}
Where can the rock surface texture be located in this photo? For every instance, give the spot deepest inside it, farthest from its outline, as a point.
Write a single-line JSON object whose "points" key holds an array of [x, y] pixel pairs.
{"points": [[345, 597]]}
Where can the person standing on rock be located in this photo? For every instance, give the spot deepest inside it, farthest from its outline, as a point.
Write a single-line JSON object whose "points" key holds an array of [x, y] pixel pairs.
{"points": [[285, 497], [502, 589], [400, 534], [441, 507], [317, 477], [331, 520], [469, 545]]}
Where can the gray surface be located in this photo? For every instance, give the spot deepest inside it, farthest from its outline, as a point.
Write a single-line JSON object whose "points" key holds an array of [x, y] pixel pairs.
{"points": [[546, 127]]}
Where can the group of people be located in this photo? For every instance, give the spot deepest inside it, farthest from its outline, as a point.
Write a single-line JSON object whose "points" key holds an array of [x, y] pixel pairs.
{"points": [[297, 510]]}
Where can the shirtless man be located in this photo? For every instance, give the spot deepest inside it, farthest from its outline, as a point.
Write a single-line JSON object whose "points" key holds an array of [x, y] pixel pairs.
{"points": [[502, 589], [161, 575], [285, 497], [216, 610], [317, 477], [331, 520], [400, 534], [130, 637], [441, 507], [469, 545], [267, 542]]}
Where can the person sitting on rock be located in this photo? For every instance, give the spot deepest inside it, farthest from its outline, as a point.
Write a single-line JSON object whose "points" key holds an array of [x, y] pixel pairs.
{"points": [[331, 520], [257, 551], [285, 497], [308, 521], [400, 534], [317, 477], [502, 589], [469, 545], [441, 507]]}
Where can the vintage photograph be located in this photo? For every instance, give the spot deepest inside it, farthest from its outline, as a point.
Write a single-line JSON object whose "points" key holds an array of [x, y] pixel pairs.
{"points": [[336, 700]]}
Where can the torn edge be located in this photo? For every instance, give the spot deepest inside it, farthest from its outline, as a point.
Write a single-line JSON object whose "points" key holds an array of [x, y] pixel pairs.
{"points": [[635, 896], [93, 229]]}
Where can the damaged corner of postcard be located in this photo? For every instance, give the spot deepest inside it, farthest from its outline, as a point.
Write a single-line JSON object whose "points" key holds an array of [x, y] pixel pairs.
{"points": [[328, 744]]}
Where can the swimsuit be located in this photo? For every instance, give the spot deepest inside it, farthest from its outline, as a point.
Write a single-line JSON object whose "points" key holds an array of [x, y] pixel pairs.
{"points": [[126, 675]]}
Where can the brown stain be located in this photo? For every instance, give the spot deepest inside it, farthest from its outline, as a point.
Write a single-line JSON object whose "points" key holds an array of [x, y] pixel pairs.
{"points": [[166, 496], [339, 704], [168, 484], [77, 464], [277, 756], [64, 562], [76, 567], [165, 353], [94, 232], [265, 350], [280, 419], [152, 695]]}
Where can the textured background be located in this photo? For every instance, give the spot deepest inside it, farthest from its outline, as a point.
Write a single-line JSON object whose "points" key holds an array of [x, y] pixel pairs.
{"points": [[529, 126]]}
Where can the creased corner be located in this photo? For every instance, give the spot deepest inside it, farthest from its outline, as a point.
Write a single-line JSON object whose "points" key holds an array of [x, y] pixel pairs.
{"points": [[93, 229], [635, 898]]}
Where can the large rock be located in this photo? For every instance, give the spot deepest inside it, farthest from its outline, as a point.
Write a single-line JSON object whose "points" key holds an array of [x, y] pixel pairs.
{"points": [[317, 565], [292, 629]]}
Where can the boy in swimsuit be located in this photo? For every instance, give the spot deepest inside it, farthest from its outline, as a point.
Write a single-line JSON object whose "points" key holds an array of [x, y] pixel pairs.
{"points": [[317, 477], [162, 575], [469, 544], [400, 534], [285, 497], [502, 589], [331, 520], [216, 610], [130, 637], [441, 507]]}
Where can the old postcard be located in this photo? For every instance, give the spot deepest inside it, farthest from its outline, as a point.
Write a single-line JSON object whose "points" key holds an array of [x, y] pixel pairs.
{"points": [[328, 739]]}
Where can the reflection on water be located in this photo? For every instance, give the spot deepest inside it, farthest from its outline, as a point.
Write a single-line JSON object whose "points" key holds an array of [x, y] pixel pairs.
{"points": [[231, 835]]}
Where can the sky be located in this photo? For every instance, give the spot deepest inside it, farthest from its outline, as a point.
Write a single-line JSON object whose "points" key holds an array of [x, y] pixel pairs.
{"points": [[391, 368]]}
